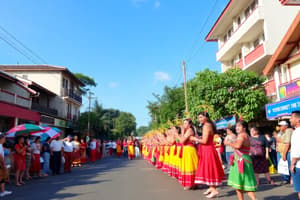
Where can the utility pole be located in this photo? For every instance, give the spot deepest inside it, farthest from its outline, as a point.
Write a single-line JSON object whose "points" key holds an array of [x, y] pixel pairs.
{"points": [[185, 89], [90, 99]]}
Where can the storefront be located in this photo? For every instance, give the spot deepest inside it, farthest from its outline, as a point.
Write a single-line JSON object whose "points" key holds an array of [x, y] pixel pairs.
{"points": [[11, 115]]}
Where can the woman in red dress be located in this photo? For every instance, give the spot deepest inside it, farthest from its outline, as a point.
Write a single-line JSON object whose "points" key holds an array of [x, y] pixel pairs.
{"points": [[119, 148], [98, 154], [83, 147], [209, 171], [76, 152], [19, 160], [36, 163]]}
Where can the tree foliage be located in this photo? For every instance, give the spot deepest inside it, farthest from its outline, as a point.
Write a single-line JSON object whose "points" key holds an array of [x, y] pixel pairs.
{"points": [[142, 130], [168, 106], [107, 123], [234, 92], [87, 80]]}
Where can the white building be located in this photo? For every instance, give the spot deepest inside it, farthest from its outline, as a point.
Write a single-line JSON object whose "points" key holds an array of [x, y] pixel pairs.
{"points": [[249, 31], [284, 69], [58, 80]]}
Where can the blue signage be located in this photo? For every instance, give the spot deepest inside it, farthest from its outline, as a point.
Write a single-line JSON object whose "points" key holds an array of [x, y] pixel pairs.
{"points": [[282, 108], [223, 123]]}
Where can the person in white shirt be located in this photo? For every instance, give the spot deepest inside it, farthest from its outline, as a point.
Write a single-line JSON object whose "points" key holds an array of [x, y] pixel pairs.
{"points": [[56, 150], [295, 151], [93, 146], [68, 152], [3, 169]]}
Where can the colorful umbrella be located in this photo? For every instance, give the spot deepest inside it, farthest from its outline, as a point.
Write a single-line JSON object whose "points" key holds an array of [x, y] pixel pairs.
{"points": [[51, 132], [23, 130]]}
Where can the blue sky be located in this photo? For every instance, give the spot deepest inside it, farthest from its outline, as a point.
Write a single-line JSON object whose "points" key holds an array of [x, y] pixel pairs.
{"points": [[132, 48]]}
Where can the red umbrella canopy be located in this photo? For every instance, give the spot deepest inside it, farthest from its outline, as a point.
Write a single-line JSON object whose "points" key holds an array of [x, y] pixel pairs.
{"points": [[23, 130]]}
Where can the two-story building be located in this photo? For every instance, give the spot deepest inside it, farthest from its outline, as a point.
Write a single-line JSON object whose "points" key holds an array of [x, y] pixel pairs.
{"points": [[249, 31], [284, 68], [15, 103], [62, 89]]}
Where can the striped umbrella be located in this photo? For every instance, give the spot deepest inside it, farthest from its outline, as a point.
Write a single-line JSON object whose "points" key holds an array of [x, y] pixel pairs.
{"points": [[23, 130], [51, 132]]}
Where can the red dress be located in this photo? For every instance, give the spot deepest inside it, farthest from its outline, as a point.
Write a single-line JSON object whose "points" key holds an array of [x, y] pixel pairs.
{"points": [[20, 158], [209, 171], [83, 147]]}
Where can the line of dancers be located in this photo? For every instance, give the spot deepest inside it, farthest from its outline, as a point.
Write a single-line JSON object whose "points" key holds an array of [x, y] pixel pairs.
{"points": [[194, 160]]}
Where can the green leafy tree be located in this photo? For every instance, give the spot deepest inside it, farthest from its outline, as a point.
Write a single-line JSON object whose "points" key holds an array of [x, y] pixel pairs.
{"points": [[142, 130], [125, 124], [234, 92], [87, 80], [168, 106]]}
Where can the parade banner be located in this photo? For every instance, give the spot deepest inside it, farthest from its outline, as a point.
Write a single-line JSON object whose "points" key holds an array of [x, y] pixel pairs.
{"points": [[223, 123], [289, 90], [282, 108]]}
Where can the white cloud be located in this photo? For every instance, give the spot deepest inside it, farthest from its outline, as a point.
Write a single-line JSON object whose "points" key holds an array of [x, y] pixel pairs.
{"points": [[157, 4], [162, 76], [113, 84]]}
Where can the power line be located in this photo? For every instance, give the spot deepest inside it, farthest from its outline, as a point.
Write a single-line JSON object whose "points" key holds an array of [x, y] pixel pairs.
{"points": [[22, 44], [201, 31], [17, 49]]}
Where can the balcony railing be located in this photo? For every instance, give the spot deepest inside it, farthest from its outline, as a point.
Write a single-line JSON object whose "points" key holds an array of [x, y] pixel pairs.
{"points": [[14, 98], [43, 109], [255, 54], [72, 94], [240, 34], [239, 64]]}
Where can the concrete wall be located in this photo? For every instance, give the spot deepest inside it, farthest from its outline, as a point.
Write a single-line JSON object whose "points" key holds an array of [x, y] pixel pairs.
{"points": [[278, 19], [295, 70], [15, 89], [50, 80]]}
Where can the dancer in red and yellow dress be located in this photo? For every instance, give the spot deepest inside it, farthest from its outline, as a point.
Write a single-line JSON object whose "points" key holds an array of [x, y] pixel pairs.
{"points": [[189, 156], [131, 153], [76, 152], [83, 147], [119, 148], [93, 145], [210, 171]]}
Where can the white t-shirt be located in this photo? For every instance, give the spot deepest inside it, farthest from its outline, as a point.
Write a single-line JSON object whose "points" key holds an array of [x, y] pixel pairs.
{"points": [[35, 148], [68, 146], [295, 147], [93, 145], [1, 151], [56, 145]]}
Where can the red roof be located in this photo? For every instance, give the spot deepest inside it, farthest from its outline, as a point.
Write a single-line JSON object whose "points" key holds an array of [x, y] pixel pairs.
{"points": [[286, 46], [40, 68]]}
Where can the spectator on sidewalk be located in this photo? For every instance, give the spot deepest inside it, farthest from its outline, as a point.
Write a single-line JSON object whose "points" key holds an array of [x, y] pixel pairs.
{"points": [[36, 161], [28, 159], [3, 169], [283, 139], [46, 156], [68, 154], [56, 151], [20, 160], [295, 151]]}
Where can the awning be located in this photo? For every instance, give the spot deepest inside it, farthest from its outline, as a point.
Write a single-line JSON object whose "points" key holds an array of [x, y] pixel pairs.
{"points": [[282, 108], [10, 110]]}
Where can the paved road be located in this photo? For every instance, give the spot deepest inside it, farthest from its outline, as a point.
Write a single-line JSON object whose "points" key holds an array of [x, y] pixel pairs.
{"points": [[120, 179]]}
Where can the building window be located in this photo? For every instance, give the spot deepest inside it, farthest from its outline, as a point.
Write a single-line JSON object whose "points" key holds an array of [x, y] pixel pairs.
{"points": [[239, 21], [247, 12], [65, 83], [253, 5], [256, 43], [225, 38], [69, 109], [240, 56], [230, 32]]}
